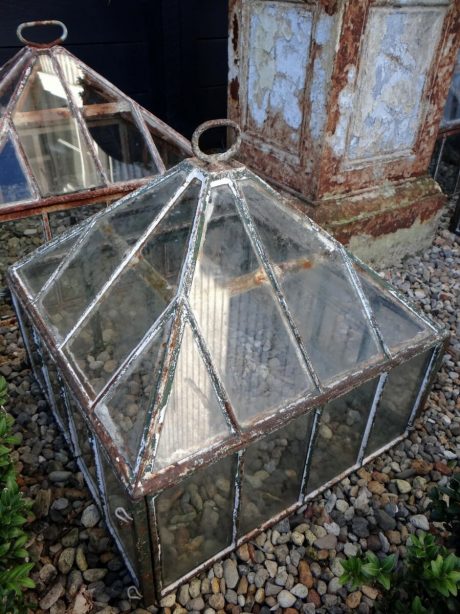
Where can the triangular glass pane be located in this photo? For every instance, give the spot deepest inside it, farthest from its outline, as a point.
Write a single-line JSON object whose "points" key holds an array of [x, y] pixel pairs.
{"points": [[124, 412], [109, 242], [50, 135], [316, 284], [14, 186], [397, 325], [240, 319], [10, 75], [130, 307], [119, 143], [194, 419]]}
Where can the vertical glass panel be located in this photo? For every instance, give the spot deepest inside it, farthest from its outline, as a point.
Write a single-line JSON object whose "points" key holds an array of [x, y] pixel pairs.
{"points": [[51, 138], [325, 306], [124, 411], [40, 268], [397, 401], [273, 470], [14, 186], [195, 518], [340, 432], [137, 297], [105, 246], [56, 393], [240, 319], [114, 497], [32, 344], [396, 324], [119, 143], [171, 153], [83, 441], [193, 418], [61, 221], [452, 108], [17, 239]]}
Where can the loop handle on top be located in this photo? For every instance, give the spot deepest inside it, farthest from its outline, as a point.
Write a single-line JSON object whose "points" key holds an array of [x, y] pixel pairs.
{"points": [[217, 157], [47, 22]]}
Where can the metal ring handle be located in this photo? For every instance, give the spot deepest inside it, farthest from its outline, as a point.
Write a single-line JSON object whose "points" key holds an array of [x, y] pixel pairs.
{"points": [[219, 157], [48, 22]]}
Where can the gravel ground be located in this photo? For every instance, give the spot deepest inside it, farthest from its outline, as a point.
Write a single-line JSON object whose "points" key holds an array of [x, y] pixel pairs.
{"points": [[296, 565]]}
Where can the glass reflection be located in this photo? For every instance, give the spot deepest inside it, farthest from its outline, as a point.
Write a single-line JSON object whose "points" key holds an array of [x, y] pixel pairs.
{"points": [[50, 137], [240, 318]]}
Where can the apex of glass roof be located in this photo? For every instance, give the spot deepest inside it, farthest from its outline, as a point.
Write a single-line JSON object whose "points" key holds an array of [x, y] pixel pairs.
{"points": [[201, 310], [65, 130]]}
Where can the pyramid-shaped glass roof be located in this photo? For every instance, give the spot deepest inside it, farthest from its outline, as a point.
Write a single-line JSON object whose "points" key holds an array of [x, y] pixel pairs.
{"points": [[199, 309], [65, 130]]}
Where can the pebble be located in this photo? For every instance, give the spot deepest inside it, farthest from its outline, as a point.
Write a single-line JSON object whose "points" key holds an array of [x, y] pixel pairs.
{"points": [[286, 599], [419, 521], [90, 516], [230, 573], [403, 486]]}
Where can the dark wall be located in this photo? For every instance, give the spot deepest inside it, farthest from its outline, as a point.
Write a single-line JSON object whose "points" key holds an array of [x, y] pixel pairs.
{"points": [[169, 55]]}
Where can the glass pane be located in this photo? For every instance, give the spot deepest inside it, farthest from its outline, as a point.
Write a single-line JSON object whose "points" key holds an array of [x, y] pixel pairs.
{"points": [[133, 303], [82, 441], [40, 268], [124, 412], [14, 186], [56, 393], [171, 153], [195, 518], [316, 285], [240, 319], [63, 220], [106, 245], [114, 497], [273, 470], [32, 344], [19, 238], [193, 418], [396, 324], [51, 138], [397, 401], [340, 432], [119, 144]]}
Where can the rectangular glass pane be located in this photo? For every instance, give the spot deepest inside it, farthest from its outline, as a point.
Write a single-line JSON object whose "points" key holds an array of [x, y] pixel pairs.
{"points": [[195, 518], [340, 433], [397, 401], [273, 470], [82, 439], [114, 497], [32, 344]]}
